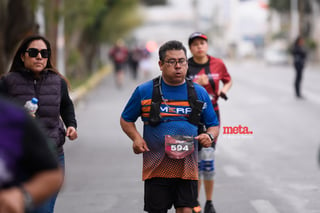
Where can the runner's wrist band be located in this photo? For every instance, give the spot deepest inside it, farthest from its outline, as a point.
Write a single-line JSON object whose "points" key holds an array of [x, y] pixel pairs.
{"points": [[27, 199], [210, 136]]}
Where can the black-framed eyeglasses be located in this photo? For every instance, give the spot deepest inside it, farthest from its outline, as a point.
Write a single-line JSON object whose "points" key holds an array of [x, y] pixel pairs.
{"points": [[33, 52], [173, 62]]}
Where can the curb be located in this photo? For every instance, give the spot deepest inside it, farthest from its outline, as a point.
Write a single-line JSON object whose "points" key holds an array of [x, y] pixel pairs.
{"points": [[92, 82]]}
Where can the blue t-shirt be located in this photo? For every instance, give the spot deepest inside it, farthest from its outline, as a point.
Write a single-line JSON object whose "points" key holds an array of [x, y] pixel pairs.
{"points": [[174, 112]]}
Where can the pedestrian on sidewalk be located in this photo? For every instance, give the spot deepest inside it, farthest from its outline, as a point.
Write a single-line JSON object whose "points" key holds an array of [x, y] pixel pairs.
{"points": [[207, 71], [171, 108], [119, 55], [146, 64], [33, 75], [299, 59], [29, 169], [135, 56]]}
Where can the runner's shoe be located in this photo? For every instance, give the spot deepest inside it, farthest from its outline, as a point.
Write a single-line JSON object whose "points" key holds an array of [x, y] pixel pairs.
{"points": [[208, 208], [197, 209]]}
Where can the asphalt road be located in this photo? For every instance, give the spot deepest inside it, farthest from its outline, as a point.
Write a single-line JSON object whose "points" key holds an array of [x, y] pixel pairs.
{"points": [[275, 169], [272, 170]]}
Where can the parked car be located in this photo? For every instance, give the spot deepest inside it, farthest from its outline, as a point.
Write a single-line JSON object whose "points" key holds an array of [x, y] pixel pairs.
{"points": [[246, 49], [276, 54]]}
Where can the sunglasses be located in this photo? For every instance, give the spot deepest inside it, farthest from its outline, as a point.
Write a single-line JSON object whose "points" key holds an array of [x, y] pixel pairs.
{"points": [[33, 52]]}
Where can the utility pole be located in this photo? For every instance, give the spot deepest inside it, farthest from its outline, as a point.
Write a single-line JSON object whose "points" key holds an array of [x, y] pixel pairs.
{"points": [[294, 19], [60, 41], [196, 14], [59, 44], [40, 18]]}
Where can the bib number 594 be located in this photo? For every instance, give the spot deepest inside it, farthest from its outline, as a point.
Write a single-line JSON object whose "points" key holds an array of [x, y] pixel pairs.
{"points": [[179, 147]]}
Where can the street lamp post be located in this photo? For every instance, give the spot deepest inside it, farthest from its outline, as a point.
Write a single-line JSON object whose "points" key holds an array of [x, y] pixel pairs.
{"points": [[196, 14], [61, 42], [294, 19], [40, 18]]}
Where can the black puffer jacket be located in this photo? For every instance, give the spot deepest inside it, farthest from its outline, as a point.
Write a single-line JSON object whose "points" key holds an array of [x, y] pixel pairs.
{"points": [[54, 101]]}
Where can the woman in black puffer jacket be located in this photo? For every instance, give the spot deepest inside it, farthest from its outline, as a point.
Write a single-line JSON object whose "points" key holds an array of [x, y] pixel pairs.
{"points": [[32, 75]]}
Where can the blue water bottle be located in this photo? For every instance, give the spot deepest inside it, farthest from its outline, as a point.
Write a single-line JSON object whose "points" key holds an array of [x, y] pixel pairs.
{"points": [[32, 106]]}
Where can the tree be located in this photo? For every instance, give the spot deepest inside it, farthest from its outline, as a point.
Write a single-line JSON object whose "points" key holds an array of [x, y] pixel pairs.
{"points": [[281, 6], [304, 8], [88, 24], [308, 23], [16, 21], [154, 2]]}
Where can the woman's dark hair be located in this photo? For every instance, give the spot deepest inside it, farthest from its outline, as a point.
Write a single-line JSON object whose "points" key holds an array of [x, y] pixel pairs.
{"points": [[297, 41], [18, 64], [170, 45]]}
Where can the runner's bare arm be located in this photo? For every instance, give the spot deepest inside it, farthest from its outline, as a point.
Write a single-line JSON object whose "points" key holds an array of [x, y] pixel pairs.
{"points": [[139, 145], [214, 130], [204, 139], [226, 87]]}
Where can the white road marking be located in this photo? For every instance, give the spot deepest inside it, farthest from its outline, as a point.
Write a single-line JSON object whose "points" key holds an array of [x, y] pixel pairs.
{"points": [[313, 97], [263, 206], [232, 171]]}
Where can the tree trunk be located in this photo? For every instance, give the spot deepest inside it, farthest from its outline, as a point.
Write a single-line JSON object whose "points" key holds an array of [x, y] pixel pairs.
{"points": [[51, 11], [301, 6], [17, 21], [3, 15], [315, 31]]}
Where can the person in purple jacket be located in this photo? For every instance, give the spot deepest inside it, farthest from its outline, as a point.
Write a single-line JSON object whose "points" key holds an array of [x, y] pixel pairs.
{"points": [[29, 170]]}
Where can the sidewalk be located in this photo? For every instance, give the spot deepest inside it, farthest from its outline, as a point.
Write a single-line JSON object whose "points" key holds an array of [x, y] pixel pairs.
{"points": [[91, 83]]}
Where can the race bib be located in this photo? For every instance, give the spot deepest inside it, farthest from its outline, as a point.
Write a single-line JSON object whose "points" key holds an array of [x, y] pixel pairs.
{"points": [[178, 146]]}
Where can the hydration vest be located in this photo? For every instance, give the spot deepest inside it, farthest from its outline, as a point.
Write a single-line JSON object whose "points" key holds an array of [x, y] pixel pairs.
{"points": [[195, 104]]}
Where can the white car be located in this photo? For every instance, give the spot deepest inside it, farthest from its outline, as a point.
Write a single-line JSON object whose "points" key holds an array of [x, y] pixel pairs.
{"points": [[276, 54]]}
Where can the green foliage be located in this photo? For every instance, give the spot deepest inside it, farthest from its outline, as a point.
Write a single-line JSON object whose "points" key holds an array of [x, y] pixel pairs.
{"points": [[79, 14], [74, 57], [311, 44], [285, 5], [33, 4], [100, 18], [120, 20], [154, 2], [280, 35], [89, 24], [282, 5]]}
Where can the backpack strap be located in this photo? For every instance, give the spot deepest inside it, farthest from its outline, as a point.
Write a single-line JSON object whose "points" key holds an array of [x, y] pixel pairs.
{"points": [[211, 81], [155, 118], [195, 104]]}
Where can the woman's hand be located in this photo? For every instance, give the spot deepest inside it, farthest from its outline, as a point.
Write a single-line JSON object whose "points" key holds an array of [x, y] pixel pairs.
{"points": [[11, 201], [72, 133]]}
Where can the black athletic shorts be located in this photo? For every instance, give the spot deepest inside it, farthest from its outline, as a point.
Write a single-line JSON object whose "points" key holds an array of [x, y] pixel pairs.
{"points": [[119, 67], [161, 193]]}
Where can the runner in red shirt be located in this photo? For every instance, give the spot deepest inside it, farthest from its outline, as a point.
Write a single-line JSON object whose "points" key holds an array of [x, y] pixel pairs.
{"points": [[207, 71], [119, 55]]}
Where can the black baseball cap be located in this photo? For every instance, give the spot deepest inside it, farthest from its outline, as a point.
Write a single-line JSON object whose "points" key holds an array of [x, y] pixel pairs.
{"points": [[197, 35]]}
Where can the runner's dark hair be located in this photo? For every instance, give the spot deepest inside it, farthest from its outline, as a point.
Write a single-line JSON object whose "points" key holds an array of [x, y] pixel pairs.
{"points": [[170, 45]]}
